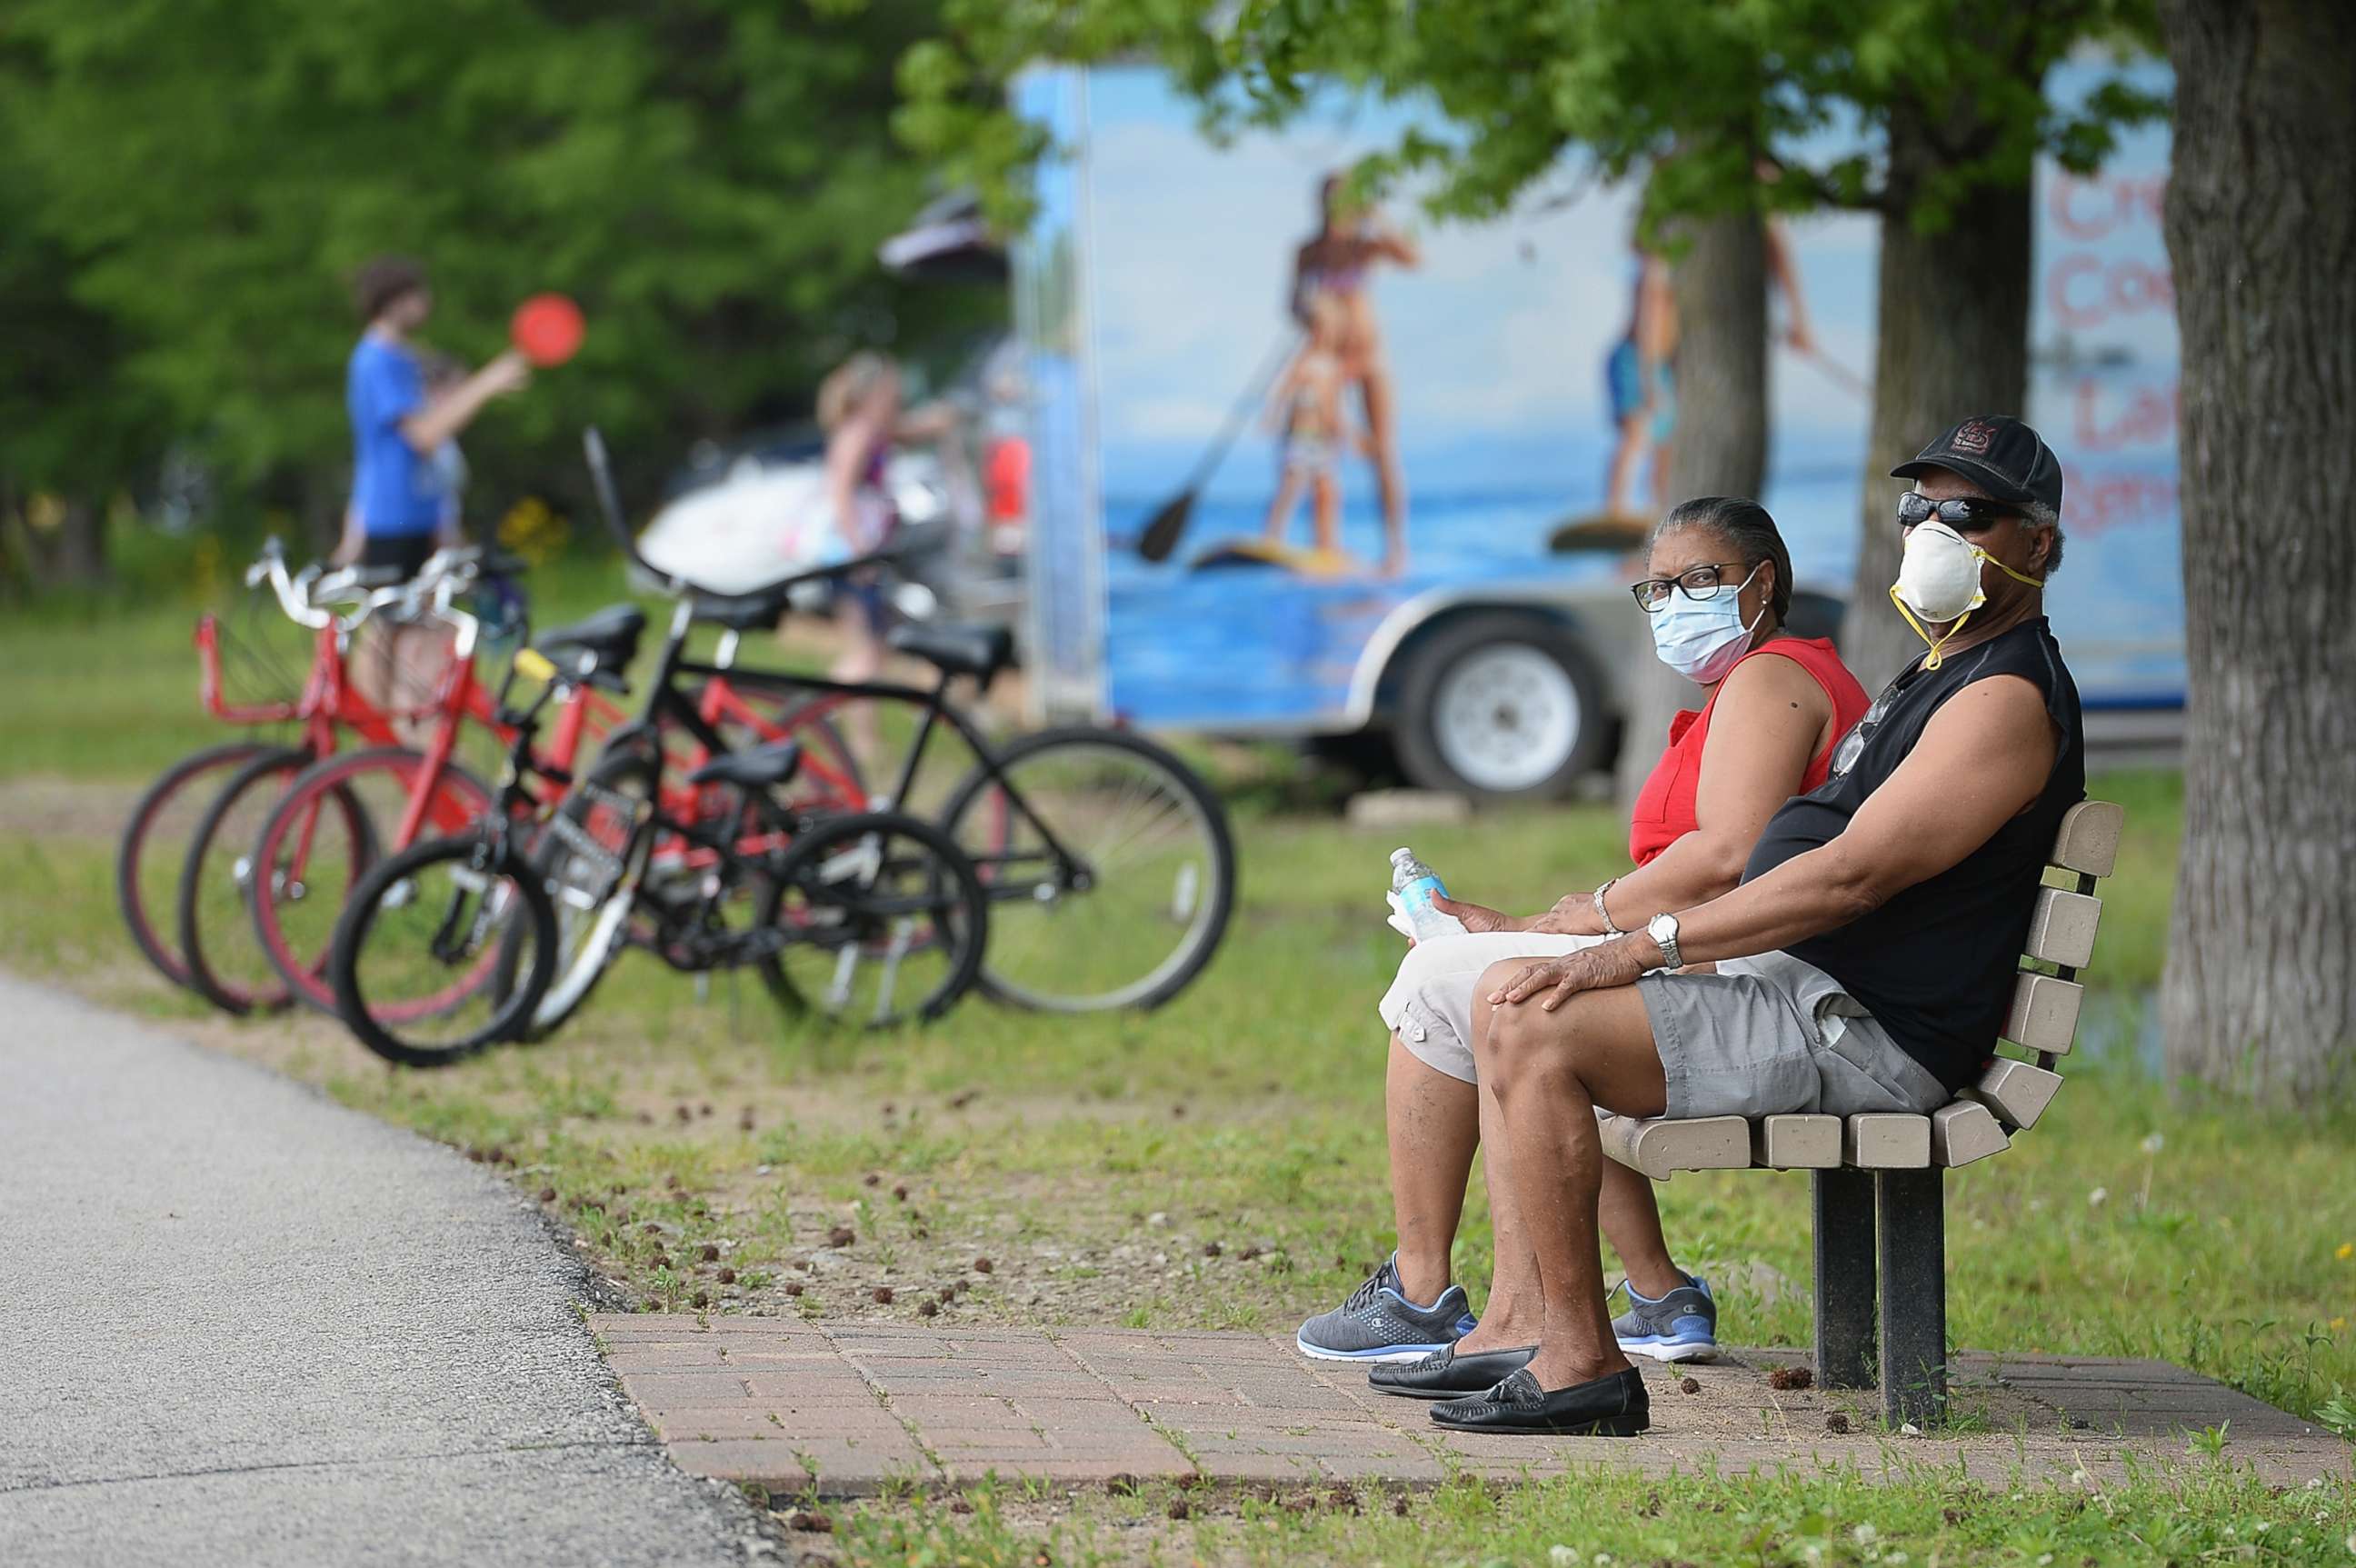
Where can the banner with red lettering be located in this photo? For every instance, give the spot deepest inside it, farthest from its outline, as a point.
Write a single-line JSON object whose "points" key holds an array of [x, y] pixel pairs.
{"points": [[2104, 391]]}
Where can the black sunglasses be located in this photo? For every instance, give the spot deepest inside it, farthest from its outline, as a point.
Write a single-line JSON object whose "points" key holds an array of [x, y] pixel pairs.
{"points": [[1965, 514]]}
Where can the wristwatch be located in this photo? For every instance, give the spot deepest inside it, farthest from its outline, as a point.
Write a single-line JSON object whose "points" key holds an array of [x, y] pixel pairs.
{"points": [[1603, 914], [1663, 929]]}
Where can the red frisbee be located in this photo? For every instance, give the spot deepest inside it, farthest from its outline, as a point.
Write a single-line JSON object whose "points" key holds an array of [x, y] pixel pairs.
{"points": [[547, 329]]}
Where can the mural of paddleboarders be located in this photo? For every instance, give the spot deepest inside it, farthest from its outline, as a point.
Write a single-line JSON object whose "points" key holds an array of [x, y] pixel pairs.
{"points": [[1332, 299]]}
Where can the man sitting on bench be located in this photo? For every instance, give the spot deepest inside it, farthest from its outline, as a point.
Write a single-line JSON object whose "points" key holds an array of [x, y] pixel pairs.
{"points": [[1866, 960]]}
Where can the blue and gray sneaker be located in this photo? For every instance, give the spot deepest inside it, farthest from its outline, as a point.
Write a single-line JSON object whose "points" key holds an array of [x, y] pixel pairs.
{"points": [[1680, 1326], [1379, 1324]]}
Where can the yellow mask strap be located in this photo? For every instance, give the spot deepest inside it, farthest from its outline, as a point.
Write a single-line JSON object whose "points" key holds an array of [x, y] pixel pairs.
{"points": [[2016, 576], [1933, 660]]}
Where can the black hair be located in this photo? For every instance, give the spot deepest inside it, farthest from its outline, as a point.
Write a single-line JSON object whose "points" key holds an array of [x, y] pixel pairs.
{"points": [[384, 280], [1745, 525]]}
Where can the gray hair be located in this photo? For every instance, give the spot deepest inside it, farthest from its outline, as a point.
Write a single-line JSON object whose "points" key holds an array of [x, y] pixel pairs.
{"points": [[1745, 525], [2040, 515]]}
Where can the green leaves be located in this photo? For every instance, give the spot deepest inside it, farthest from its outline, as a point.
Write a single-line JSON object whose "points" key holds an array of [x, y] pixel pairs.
{"points": [[710, 177], [1510, 88]]}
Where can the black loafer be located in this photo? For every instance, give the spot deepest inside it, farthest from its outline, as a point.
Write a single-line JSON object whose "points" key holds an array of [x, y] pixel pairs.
{"points": [[1616, 1406], [1447, 1375]]}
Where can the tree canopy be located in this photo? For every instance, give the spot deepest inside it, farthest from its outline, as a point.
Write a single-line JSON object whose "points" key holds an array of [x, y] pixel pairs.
{"points": [[186, 184], [1514, 86]]}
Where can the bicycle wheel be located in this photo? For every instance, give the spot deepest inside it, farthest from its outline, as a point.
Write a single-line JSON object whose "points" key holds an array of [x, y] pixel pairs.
{"points": [[422, 935], [1138, 908], [590, 857], [226, 964], [311, 864], [154, 846], [882, 917]]}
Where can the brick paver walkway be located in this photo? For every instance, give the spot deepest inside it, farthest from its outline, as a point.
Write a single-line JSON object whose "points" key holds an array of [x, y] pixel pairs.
{"points": [[844, 1409]]}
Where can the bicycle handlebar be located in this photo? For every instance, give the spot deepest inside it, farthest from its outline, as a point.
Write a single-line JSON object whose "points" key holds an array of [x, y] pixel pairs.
{"points": [[308, 597]]}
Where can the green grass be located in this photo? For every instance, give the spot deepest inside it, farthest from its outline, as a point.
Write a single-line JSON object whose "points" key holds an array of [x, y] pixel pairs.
{"points": [[1601, 1517], [1221, 1164]]}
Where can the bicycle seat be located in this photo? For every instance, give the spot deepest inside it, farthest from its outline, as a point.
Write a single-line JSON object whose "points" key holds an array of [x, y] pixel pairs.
{"points": [[610, 637], [978, 651], [761, 767], [741, 615]]}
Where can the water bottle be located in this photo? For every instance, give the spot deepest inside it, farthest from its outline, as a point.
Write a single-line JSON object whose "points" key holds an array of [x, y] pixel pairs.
{"points": [[1417, 887]]}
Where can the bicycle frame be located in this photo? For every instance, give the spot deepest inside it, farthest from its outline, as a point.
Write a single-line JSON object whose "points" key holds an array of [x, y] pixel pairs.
{"points": [[665, 701], [330, 703]]}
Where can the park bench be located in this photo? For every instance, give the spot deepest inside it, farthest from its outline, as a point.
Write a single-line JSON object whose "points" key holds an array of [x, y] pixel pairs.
{"points": [[1879, 1177]]}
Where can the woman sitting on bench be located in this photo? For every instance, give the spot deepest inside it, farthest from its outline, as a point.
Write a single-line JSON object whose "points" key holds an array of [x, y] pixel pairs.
{"points": [[1717, 587]]}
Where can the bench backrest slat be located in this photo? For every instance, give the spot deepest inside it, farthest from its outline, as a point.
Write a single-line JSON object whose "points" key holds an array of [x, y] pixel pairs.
{"points": [[2044, 1014], [2089, 840], [2061, 931], [2017, 1092]]}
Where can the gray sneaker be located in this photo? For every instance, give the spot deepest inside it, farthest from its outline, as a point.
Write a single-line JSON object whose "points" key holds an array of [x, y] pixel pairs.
{"points": [[1680, 1326], [1379, 1324]]}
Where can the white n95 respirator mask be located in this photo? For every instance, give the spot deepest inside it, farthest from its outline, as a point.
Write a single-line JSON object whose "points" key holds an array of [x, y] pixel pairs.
{"points": [[1939, 580]]}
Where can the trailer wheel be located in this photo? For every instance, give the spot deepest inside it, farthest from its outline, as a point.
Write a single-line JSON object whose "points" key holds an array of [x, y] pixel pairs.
{"points": [[1503, 707]]}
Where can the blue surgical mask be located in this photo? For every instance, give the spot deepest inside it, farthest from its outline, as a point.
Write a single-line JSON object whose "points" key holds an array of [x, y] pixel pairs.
{"points": [[1702, 639]]}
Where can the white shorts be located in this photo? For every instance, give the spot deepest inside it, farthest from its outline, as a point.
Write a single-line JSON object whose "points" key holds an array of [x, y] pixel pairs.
{"points": [[1430, 1006]]}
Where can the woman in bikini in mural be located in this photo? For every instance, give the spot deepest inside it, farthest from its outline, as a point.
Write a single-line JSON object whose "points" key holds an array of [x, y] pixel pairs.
{"points": [[1333, 266]]}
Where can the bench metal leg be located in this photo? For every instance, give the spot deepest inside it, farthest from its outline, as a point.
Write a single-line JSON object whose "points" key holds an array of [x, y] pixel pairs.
{"points": [[1911, 1217], [1844, 1201]]}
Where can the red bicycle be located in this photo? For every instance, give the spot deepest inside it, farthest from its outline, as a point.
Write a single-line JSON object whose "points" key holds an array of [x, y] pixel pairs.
{"points": [[163, 825], [311, 847]]}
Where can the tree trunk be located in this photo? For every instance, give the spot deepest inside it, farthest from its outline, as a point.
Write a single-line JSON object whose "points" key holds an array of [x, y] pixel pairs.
{"points": [[1952, 341], [1720, 445], [65, 541], [2260, 991]]}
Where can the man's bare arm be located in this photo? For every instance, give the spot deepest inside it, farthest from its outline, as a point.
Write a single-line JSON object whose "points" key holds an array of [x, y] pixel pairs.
{"points": [[446, 416], [1982, 759]]}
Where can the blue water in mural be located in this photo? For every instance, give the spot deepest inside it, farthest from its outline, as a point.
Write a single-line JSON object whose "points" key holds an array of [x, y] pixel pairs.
{"points": [[1258, 646]]}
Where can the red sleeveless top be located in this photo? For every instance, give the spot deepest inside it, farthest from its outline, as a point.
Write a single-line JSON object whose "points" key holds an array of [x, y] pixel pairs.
{"points": [[1664, 808]]}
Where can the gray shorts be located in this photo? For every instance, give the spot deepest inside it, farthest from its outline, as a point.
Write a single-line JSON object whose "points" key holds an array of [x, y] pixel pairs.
{"points": [[1770, 1035], [1762, 1036]]}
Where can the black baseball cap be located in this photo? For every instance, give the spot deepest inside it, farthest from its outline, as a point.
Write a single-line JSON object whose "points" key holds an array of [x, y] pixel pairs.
{"points": [[2000, 454]]}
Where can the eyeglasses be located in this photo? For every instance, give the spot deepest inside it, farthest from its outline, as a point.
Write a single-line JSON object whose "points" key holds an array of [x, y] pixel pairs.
{"points": [[1965, 514], [1700, 583], [1852, 745]]}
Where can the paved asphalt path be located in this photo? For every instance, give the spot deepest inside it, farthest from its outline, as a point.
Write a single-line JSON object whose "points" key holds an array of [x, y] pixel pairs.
{"points": [[241, 1325]]}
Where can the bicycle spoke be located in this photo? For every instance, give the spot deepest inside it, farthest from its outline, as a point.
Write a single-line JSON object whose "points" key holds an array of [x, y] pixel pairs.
{"points": [[1094, 822]]}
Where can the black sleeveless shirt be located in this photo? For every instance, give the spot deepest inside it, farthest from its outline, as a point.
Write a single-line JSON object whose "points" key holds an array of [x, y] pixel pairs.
{"points": [[1934, 965]]}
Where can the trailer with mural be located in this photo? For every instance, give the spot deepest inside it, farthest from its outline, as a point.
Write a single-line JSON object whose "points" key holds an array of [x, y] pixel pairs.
{"points": [[1309, 467]]}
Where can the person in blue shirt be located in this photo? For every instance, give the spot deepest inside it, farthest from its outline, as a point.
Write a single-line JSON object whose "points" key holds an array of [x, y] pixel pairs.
{"points": [[397, 515], [400, 511]]}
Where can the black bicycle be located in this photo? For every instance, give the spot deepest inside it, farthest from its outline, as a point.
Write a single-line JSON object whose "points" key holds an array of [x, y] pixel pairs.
{"points": [[461, 942], [1107, 863]]}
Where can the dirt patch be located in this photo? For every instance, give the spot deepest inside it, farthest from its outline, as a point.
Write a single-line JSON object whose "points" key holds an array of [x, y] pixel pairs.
{"points": [[45, 807], [714, 1187]]}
